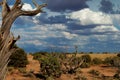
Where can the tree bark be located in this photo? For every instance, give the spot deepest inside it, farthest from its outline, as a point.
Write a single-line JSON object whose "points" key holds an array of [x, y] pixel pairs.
{"points": [[7, 40]]}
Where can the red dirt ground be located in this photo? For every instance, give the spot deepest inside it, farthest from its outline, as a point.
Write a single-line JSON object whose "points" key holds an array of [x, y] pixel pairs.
{"points": [[34, 65]]}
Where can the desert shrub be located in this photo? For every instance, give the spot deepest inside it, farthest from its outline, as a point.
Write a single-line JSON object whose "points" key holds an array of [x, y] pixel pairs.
{"points": [[86, 58], [108, 60], [118, 54], [116, 61], [62, 56], [70, 64], [96, 61], [30, 75], [31, 71], [18, 58], [117, 75], [10, 69], [94, 72], [87, 61], [50, 66], [81, 77], [38, 55], [22, 70], [74, 64], [85, 65], [91, 52], [50, 78]]}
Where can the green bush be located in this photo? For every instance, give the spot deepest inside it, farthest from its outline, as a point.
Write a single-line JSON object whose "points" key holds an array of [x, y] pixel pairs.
{"points": [[22, 70], [50, 66], [86, 58], [18, 58], [39, 55], [85, 65], [115, 61], [94, 72], [81, 77], [116, 76], [10, 69], [96, 61], [74, 64], [118, 54], [108, 60]]}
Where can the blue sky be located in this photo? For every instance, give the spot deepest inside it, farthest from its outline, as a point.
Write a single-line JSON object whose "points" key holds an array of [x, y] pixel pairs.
{"points": [[92, 25]]}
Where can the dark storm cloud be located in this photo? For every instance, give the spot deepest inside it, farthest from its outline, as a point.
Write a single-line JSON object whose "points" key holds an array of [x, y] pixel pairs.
{"points": [[74, 26], [87, 30], [62, 5], [106, 6], [58, 19]]}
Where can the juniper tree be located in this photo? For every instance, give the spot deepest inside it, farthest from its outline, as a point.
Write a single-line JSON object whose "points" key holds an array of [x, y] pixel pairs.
{"points": [[7, 40]]}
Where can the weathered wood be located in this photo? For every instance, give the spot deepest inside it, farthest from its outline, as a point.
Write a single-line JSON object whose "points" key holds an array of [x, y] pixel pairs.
{"points": [[7, 40]]}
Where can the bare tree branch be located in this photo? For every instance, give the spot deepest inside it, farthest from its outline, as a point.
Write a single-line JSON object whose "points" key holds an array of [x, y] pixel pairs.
{"points": [[5, 9], [1, 3], [32, 13], [7, 40], [16, 4]]}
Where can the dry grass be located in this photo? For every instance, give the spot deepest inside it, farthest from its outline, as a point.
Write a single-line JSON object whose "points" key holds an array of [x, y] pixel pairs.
{"points": [[101, 56]]}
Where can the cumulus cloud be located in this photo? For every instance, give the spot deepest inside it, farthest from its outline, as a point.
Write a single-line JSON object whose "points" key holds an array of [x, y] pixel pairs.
{"points": [[83, 27], [104, 28], [41, 32], [33, 42], [88, 17], [48, 27], [27, 7], [68, 35]]}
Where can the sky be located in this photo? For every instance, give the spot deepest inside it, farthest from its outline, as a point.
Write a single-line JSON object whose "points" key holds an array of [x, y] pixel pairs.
{"points": [[91, 25]]}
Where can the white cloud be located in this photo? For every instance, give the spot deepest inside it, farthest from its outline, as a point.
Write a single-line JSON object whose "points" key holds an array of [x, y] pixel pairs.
{"points": [[35, 42], [88, 17], [48, 27], [104, 28], [100, 37], [40, 32], [52, 14], [116, 19], [27, 7], [69, 35], [32, 41], [40, 28]]}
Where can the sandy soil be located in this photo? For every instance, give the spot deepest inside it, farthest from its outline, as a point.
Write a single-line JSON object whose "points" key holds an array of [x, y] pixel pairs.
{"points": [[33, 65]]}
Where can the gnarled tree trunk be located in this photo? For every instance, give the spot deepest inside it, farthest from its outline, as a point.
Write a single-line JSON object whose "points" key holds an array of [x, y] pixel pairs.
{"points": [[7, 40]]}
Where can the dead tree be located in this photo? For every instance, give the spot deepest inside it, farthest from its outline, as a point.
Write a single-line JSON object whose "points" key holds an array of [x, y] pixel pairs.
{"points": [[71, 64], [7, 40]]}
